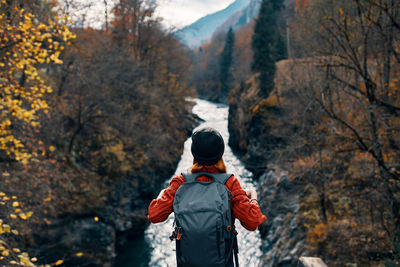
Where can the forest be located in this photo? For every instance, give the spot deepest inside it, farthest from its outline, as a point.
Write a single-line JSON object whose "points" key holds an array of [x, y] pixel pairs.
{"points": [[93, 120]]}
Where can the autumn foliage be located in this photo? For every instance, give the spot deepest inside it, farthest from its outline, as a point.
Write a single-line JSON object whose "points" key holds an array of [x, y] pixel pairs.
{"points": [[85, 115], [342, 103], [26, 44], [332, 121]]}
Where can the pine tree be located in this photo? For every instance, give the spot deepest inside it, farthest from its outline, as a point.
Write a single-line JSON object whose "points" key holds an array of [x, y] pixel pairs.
{"points": [[226, 63], [268, 46]]}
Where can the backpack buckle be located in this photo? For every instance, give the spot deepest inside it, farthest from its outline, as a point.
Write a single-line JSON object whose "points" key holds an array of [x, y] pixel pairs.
{"points": [[176, 234], [231, 229]]}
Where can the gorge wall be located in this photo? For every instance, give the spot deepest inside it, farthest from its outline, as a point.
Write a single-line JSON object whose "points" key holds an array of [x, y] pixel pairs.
{"points": [[258, 133], [313, 180]]}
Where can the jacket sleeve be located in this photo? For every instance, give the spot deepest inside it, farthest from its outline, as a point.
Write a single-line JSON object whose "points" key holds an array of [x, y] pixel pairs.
{"points": [[162, 207], [248, 213]]}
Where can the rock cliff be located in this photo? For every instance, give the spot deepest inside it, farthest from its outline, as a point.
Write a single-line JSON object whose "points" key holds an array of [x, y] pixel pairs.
{"points": [[251, 134], [257, 133]]}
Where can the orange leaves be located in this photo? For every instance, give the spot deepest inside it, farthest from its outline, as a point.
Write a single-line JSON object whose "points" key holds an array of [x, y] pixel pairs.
{"points": [[390, 157], [317, 234], [341, 11], [301, 5], [305, 163], [362, 88]]}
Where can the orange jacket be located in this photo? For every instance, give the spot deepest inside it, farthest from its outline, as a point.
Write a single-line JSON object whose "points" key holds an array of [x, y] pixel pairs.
{"points": [[248, 213]]}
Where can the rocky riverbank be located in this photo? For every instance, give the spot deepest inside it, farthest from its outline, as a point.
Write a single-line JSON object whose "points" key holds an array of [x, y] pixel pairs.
{"points": [[283, 237]]}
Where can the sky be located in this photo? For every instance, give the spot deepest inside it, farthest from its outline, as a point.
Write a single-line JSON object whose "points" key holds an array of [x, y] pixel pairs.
{"points": [[179, 13], [175, 13]]}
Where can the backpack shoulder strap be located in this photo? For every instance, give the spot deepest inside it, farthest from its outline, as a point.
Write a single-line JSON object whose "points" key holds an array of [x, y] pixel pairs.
{"points": [[218, 177]]}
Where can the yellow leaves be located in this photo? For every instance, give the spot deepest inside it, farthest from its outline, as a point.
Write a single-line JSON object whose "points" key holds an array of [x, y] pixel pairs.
{"points": [[341, 11], [34, 124], [45, 36], [390, 157], [117, 150], [13, 256], [58, 61], [271, 101], [24, 259], [29, 42], [55, 58], [5, 253], [59, 262], [79, 254], [20, 64], [23, 216], [96, 219], [22, 256], [43, 27], [48, 199], [5, 228], [256, 109]]}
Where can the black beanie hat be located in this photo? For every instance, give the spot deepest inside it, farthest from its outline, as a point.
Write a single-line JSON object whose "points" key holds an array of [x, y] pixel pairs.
{"points": [[207, 146]]}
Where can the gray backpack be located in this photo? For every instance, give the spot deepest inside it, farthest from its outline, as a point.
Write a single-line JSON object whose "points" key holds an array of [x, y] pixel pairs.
{"points": [[204, 231]]}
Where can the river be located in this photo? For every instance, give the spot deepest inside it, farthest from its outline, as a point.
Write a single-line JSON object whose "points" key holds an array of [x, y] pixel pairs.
{"points": [[155, 248]]}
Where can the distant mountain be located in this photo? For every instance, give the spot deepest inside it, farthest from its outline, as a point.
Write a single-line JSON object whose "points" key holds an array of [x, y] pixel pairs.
{"points": [[201, 30], [241, 17]]}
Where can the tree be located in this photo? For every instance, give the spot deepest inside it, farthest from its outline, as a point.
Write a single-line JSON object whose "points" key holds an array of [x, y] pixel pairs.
{"points": [[113, 97], [356, 44], [242, 54], [133, 24], [206, 67], [226, 58], [26, 44], [267, 44]]}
